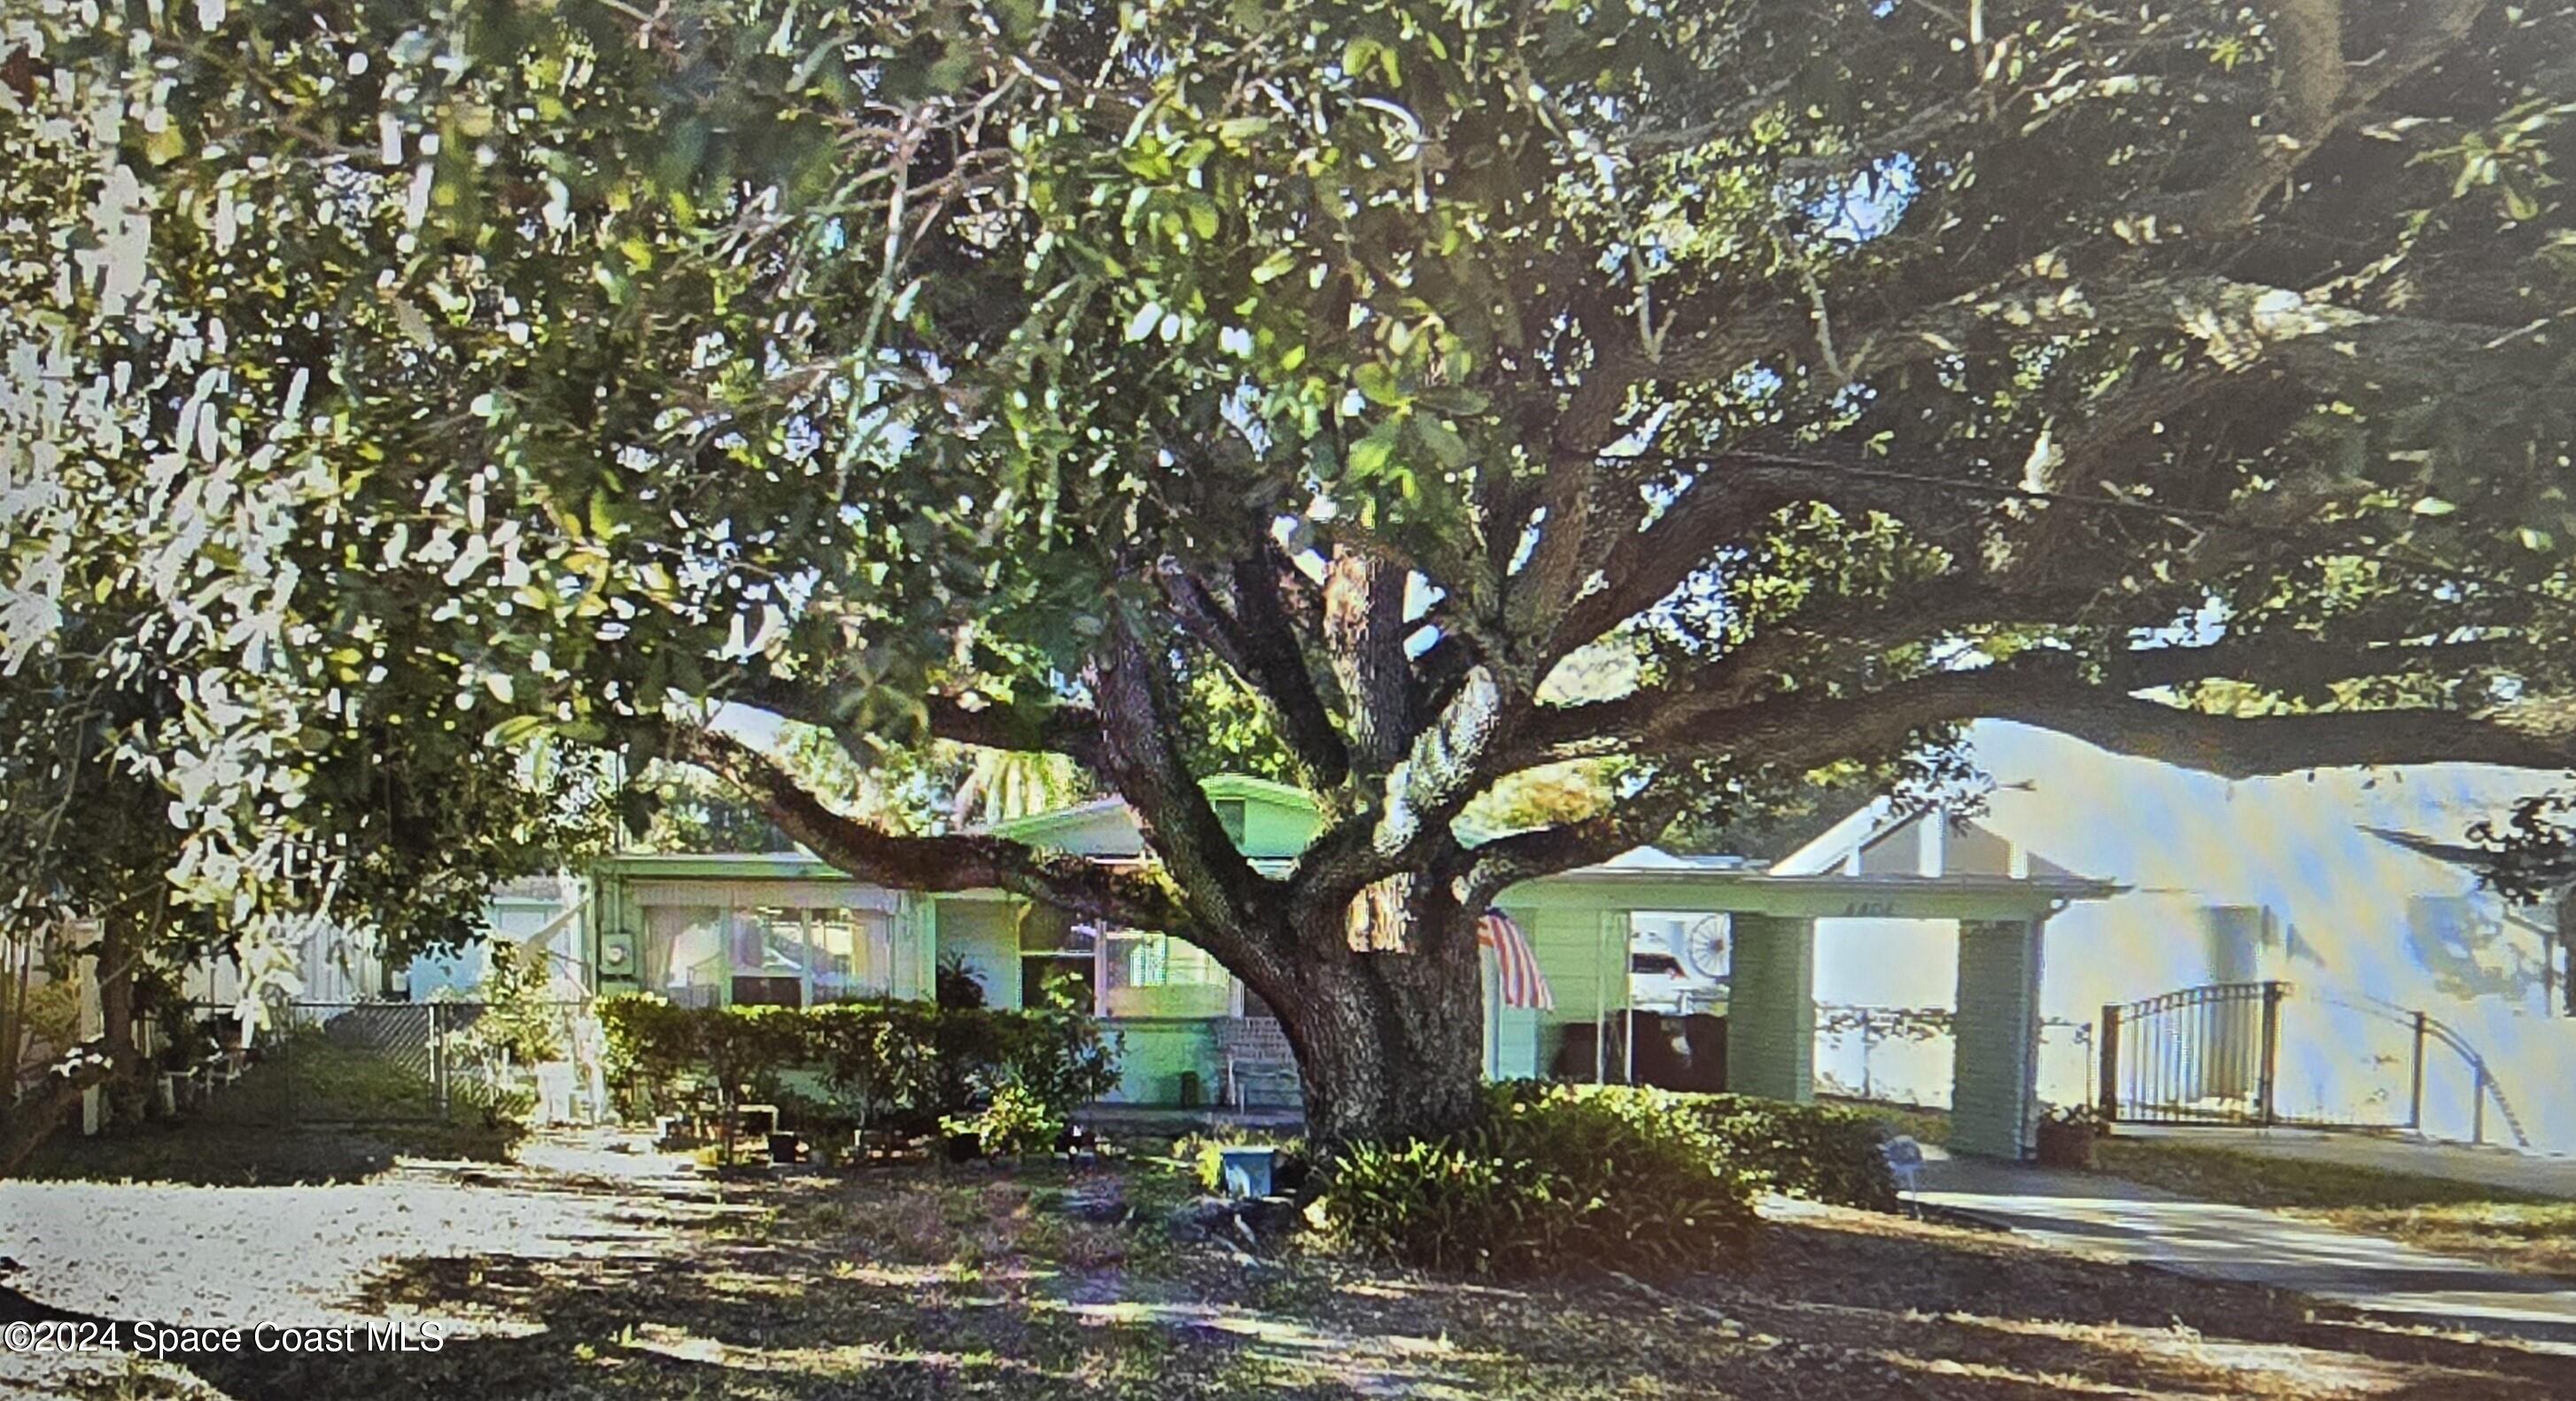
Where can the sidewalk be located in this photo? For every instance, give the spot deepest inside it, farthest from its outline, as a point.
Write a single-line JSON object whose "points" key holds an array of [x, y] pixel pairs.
{"points": [[2540, 1174], [2397, 1283]]}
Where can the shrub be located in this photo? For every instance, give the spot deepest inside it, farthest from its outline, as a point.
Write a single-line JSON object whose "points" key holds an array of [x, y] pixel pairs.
{"points": [[1822, 1152], [1058, 1057], [874, 1056], [652, 1049], [1556, 1178], [905, 1065], [1015, 1120], [743, 1050]]}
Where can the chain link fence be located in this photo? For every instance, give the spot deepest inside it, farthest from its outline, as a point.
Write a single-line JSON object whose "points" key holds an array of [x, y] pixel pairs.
{"points": [[358, 1063]]}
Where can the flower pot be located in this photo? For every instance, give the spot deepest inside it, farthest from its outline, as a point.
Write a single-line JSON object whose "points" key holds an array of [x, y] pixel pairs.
{"points": [[2064, 1145]]}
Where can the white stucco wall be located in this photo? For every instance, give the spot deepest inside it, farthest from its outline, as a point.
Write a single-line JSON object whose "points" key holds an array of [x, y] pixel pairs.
{"points": [[2275, 878]]}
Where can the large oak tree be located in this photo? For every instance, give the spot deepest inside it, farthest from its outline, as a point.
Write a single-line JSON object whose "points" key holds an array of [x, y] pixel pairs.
{"points": [[1062, 377]]}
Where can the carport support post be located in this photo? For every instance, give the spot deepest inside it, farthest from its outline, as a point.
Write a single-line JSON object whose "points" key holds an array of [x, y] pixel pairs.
{"points": [[1994, 1068], [1771, 1008]]}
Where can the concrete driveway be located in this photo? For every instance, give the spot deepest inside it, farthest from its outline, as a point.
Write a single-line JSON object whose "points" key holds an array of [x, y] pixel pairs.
{"points": [[2542, 1174], [2103, 1216]]}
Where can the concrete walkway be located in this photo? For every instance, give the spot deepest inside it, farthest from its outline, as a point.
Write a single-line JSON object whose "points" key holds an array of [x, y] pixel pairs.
{"points": [[2400, 1284], [2544, 1175]]}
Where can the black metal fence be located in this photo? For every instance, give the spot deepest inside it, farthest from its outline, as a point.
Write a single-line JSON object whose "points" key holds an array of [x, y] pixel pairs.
{"points": [[2257, 1054]]}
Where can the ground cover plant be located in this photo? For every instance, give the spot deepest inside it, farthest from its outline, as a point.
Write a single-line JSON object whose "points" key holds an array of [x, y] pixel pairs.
{"points": [[1555, 1179]]}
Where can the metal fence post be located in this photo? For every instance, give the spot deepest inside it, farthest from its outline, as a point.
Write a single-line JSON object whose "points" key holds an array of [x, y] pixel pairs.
{"points": [[2272, 995], [2478, 1114], [1865, 1086], [2110, 1063], [2415, 1095], [438, 1054]]}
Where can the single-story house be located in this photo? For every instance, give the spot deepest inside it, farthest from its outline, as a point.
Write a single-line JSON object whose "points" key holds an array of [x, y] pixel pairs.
{"points": [[2352, 890], [786, 928]]}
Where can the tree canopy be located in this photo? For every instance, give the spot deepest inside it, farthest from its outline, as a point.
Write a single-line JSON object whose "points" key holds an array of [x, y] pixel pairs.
{"points": [[1165, 381]]}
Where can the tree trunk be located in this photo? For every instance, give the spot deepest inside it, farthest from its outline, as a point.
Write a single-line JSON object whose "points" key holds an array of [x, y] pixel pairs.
{"points": [[1389, 1043]]}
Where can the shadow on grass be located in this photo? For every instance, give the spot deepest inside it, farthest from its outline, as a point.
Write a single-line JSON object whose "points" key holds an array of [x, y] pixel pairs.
{"points": [[322, 1113], [899, 1285]]}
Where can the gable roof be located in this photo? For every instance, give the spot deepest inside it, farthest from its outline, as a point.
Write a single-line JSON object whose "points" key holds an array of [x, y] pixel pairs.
{"points": [[1880, 840], [2288, 842], [1107, 827]]}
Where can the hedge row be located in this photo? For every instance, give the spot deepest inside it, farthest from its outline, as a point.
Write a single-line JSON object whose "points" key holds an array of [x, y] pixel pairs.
{"points": [[1562, 1178], [1826, 1153], [906, 1066]]}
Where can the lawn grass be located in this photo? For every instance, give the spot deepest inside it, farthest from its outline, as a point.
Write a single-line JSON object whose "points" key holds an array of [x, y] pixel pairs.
{"points": [[324, 1113], [1040, 1280], [2517, 1230]]}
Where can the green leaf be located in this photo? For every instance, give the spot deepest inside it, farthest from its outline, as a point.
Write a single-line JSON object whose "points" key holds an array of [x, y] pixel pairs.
{"points": [[1202, 214], [1378, 384], [1370, 455], [516, 731], [2434, 506], [1441, 441]]}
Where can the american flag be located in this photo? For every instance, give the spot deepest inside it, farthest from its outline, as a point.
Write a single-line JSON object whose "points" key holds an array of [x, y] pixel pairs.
{"points": [[1522, 984]]}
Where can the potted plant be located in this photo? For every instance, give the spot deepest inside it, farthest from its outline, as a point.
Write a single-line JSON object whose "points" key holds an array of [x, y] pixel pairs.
{"points": [[2066, 1134]]}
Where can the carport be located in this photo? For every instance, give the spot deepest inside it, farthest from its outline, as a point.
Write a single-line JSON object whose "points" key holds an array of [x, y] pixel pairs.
{"points": [[1771, 1006]]}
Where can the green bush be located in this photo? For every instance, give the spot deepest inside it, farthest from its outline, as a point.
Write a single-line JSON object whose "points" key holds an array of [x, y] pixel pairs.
{"points": [[1016, 1120], [1556, 1179], [910, 1066], [873, 1055], [1825, 1153], [652, 1050]]}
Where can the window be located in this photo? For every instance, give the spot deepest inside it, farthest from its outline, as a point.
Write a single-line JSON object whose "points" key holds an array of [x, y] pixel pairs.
{"points": [[684, 953], [1155, 975], [770, 955], [1056, 958], [850, 954]]}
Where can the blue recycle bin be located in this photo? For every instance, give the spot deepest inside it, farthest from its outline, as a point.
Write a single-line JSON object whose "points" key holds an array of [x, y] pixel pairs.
{"points": [[1245, 1172]]}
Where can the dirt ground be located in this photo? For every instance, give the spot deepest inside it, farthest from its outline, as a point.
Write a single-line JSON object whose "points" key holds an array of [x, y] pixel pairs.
{"points": [[589, 1272]]}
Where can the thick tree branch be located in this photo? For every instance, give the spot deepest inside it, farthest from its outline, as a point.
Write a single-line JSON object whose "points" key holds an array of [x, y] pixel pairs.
{"points": [[2318, 91], [954, 862], [1257, 642], [1803, 732], [1141, 755], [1487, 870], [1049, 728], [1733, 495], [1364, 635], [2291, 665]]}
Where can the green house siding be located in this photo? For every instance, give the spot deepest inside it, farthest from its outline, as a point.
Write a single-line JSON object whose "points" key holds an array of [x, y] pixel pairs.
{"points": [[1579, 925], [1155, 1054], [984, 935]]}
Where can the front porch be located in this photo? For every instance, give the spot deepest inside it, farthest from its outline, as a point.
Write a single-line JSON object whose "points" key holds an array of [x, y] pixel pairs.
{"points": [[785, 928]]}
